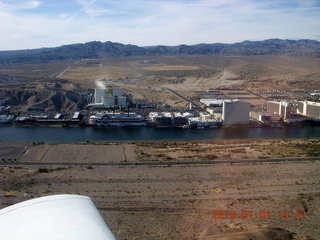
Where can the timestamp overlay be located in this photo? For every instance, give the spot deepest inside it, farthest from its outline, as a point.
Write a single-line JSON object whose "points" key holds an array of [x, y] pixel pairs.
{"points": [[263, 214]]}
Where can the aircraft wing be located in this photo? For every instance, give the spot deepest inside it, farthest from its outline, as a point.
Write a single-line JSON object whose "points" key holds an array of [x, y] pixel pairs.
{"points": [[56, 217]]}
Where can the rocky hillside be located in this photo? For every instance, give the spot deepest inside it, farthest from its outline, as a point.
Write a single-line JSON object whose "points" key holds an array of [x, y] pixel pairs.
{"points": [[41, 96], [109, 49]]}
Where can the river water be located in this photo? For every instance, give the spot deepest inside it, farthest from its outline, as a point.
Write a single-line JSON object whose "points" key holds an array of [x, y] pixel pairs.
{"points": [[50, 135]]}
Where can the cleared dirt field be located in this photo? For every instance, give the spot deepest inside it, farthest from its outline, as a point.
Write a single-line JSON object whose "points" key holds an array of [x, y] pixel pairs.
{"points": [[188, 74], [187, 201], [219, 71]]}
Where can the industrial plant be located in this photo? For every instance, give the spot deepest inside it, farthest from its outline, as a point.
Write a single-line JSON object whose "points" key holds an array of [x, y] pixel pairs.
{"points": [[111, 107], [108, 97]]}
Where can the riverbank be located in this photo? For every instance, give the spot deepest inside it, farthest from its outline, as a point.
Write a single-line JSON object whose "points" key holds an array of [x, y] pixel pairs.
{"points": [[117, 152]]}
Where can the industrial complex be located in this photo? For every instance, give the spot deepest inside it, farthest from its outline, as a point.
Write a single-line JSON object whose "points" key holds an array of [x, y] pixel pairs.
{"points": [[111, 107]]}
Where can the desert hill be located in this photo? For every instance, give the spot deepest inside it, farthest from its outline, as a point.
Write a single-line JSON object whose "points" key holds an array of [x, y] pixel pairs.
{"points": [[109, 49], [56, 78]]}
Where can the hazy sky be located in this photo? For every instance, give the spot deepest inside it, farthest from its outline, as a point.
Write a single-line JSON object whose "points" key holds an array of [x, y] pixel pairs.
{"points": [[49, 23]]}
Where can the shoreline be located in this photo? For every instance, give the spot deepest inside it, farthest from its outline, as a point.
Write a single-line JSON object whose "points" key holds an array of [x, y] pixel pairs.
{"points": [[282, 125], [166, 151]]}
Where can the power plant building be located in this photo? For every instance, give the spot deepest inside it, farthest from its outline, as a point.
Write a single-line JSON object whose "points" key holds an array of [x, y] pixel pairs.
{"points": [[235, 112], [109, 97]]}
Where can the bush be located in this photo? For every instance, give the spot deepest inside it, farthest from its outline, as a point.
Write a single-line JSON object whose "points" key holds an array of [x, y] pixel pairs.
{"points": [[43, 170]]}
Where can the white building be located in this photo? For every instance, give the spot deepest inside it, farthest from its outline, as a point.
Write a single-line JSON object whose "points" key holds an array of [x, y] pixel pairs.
{"points": [[205, 116], [235, 112], [109, 97], [169, 118], [213, 102], [310, 109]]}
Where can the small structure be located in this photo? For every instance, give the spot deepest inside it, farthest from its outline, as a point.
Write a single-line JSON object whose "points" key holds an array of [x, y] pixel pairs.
{"points": [[58, 116], [6, 119]]}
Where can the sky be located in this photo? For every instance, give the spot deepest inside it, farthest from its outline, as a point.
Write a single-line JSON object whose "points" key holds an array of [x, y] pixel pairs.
{"points": [[29, 24]]}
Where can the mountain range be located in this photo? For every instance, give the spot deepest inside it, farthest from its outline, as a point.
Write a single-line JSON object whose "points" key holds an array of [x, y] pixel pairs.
{"points": [[96, 49]]}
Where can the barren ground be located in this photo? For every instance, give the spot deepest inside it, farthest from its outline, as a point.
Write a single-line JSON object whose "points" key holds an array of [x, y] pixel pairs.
{"points": [[187, 201], [148, 77]]}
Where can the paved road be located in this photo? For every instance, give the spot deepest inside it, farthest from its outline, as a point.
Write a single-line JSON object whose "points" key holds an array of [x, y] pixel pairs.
{"points": [[198, 104], [160, 163]]}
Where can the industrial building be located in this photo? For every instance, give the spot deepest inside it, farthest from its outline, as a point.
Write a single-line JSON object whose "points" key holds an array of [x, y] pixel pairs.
{"points": [[182, 119], [213, 102], [197, 122], [109, 97], [235, 112], [169, 118], [265, 117], [310, 109]]}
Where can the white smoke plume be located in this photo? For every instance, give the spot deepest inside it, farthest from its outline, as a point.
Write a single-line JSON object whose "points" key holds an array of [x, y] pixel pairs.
{"points": [[100, 83]]}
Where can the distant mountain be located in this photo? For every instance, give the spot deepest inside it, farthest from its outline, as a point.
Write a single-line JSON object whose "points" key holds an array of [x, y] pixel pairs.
{"points": [[109, 49]]}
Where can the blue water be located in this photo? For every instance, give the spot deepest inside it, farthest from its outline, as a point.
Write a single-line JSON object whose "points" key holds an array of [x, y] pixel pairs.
{"points": [[47, 134]]}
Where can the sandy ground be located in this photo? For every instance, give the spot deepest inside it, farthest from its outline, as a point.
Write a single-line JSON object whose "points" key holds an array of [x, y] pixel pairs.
{"points": [[215, 201], [148, 77]]}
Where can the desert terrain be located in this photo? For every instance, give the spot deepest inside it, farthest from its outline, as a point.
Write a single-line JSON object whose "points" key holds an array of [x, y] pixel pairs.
{"points": [[150, 77], [60, 85], [164, 190], [170, 190]]}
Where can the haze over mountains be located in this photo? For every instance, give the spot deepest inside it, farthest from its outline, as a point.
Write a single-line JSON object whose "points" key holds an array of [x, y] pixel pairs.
{"points": [[95, 49]]}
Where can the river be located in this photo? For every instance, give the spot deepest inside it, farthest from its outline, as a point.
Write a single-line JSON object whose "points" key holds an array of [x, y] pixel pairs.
{"points": [[58, 134]]}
